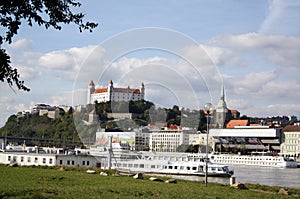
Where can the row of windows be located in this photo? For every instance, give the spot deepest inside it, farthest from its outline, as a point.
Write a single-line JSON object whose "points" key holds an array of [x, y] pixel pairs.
{"points": [[44, 160], [28, 159], [246, 162], [292, 141], [72, 162], [159, 144], [166, 140], [248, 158], [156, 166], [294, 135], [292, 148], [165, 135]]}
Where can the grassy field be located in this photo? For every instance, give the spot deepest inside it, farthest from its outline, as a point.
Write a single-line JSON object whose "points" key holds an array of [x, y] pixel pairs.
{"points": [[46, 182]]}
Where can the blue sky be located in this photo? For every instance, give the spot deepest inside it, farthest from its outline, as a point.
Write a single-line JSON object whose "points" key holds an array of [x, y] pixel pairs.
{"points": [[255, 45]]}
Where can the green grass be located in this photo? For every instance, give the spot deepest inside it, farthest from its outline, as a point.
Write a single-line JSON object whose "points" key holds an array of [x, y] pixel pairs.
{"points": [[44, 182]]}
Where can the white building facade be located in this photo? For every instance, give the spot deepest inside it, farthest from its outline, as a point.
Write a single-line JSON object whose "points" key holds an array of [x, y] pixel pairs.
{"points": [[291, 144], [168, 140], [44, 159]]}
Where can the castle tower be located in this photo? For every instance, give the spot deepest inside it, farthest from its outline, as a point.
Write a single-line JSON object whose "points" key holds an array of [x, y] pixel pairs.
{"points": [[222, 110], [91, 90], [110, 89]]}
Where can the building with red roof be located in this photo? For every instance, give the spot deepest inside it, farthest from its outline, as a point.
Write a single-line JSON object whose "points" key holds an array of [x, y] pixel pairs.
{"points": [[233, 123], [111, 93]]}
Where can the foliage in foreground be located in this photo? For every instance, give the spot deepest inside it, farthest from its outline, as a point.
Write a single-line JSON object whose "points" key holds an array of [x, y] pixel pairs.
{"points": [[28, 182]]}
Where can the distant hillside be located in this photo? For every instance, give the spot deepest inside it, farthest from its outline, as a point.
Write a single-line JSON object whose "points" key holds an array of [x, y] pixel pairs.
{"points": [[63, 127], [35, 126]]}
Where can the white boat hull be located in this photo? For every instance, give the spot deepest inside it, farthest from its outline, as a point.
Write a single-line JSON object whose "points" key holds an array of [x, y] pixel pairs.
{"points": [[264, 161]]}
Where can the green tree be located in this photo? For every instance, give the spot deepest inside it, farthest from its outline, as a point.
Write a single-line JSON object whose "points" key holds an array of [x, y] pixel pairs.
{"points": [[46, 13]]}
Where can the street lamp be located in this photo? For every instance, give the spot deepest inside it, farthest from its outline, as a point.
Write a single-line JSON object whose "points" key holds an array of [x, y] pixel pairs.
{"points": [[208, 108]]}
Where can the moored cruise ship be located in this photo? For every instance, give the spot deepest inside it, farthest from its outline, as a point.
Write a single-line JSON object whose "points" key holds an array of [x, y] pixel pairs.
{"points": [[255, 159], [168, 163]]}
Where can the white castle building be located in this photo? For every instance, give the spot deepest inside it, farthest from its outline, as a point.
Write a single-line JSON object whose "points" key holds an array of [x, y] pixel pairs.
{"points": [[110, 93]]}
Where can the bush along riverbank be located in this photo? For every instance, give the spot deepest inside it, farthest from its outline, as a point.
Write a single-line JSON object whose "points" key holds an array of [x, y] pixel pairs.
{"points": [[56, 182]]}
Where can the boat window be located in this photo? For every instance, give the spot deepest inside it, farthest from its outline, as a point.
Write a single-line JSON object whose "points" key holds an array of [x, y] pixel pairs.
{"points": [[22, 159], [213, 168], [28, 159], [50, 161], [175, 167], [181, 167], [9, 158], [135, 165], [194, 168], [152, 166], [142, 165], [129, 165], [124, 165], [170, 167], [188, 168], [44, 160]]}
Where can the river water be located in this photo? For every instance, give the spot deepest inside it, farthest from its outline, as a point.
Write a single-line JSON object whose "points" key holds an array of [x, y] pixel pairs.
{"points": [[287, 177]]}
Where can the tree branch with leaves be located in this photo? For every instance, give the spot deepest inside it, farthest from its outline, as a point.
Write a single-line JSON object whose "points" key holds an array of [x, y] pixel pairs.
{"points": [[46, 13]]}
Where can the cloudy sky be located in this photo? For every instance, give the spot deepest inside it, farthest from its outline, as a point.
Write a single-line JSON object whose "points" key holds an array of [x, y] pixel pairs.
{"points": [[183, 51]]}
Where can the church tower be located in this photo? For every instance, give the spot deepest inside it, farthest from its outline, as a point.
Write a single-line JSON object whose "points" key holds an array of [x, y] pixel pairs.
{"points": [[91, 90], [222, 110], [142, 89]]}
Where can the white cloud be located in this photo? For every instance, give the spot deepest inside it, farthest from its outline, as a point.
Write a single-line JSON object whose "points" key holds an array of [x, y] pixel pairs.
{"points": [[222, 56], [28, 73], [281, 91], [251, 83], [21, 44], [280, 50], [282, 18], [76, 97], [273, 110], [57, 60]]}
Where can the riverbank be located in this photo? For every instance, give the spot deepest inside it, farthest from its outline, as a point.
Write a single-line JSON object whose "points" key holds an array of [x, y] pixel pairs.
{"points": [[54, 182]]}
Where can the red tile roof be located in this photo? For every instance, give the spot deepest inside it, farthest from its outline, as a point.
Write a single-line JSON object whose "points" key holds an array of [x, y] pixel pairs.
{"points": [[232, 123], [291, 128], [173, 126], [127, 90], [101, 90], [234, 111], [121, 90]]}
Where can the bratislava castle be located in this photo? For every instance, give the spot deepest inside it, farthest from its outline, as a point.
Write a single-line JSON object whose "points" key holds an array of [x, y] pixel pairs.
{"points": [[110, 93]]}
